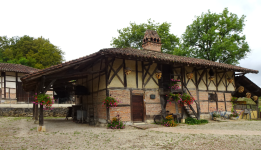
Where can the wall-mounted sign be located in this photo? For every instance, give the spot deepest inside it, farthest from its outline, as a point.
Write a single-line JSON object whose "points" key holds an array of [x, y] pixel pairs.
{"points": [[152, 96]]}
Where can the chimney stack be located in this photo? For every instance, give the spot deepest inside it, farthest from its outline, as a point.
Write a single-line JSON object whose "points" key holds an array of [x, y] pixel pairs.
{"points": [[151, 41]]}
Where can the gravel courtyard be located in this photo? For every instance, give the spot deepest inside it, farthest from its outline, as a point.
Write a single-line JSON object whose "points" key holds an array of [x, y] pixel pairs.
{"points": [[20, 133]]}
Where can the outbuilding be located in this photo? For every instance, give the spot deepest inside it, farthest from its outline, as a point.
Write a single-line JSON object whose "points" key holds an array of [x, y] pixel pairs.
{"points": [[11, 90]]}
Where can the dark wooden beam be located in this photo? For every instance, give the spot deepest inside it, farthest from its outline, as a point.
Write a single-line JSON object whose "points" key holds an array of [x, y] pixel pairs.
{"points": [[151, 76], [116, 74], [142, 65], [201, 76], [124, 75], [136, 68], [221, 79], [4, 85], [16, 85], [48, 86]]}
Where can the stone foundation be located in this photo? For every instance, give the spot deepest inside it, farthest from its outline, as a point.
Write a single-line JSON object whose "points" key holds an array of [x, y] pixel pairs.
{"points": [[28, 112]]}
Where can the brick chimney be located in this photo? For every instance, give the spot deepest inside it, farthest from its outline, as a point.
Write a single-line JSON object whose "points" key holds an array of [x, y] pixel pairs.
{"points": [[151, 41]]}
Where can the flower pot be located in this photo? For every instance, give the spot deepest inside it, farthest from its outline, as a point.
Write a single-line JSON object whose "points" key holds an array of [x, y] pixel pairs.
{"points": [[233, 118], [216, 118]]}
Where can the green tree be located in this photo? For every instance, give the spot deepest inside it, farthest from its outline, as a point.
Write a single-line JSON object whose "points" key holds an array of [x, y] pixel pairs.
{"points": [[38, 53], [215, 37], [132, 36]]}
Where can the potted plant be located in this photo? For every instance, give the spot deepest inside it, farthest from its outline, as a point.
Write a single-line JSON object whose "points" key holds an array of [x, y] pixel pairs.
{"points": [[169, 122], [174, 84], [173, 97], [116, 123], [44, 100], [110, 102], [186, 98], [234, 116], [216, 116]]}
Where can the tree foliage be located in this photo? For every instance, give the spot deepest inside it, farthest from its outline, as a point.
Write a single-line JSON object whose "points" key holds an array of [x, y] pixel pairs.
{"points": [[38, 53], [216, 37], [132, 36]]}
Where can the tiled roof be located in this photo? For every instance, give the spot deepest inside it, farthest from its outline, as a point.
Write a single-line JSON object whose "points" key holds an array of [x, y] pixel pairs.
{"points": [[17, 68], [143, 55]]}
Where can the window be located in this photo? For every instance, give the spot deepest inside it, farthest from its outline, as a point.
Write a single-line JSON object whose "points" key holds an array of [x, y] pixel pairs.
{"points": [[212, 97]]}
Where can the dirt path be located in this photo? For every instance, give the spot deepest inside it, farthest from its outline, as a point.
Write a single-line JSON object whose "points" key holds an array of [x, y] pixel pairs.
{"points": [[20, 133], [207, 131]]}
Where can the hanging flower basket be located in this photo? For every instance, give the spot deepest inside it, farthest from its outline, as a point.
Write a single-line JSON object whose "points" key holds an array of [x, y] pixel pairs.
{"points": [[248, 95], [230, 80], [175, 84], [110, 102], [255, 98], [211, 78], [173, 97], [190, 75], [241, 89], [44, 100], [186, 98]]}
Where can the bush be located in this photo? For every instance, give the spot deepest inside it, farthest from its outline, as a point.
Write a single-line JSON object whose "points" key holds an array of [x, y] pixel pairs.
{"points": [[192, 121], [116, 123]]}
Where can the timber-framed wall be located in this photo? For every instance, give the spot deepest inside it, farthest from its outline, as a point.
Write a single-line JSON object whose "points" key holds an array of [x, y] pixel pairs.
{"points": [[110, 80]]}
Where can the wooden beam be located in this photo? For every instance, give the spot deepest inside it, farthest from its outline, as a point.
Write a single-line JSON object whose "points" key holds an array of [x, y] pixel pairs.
{"points": [[197, 91], [201, 76], [16, 85], [142, 65], [116, 74], [136, 68], [147, 70], [109, 73], [124, 75], [48, 86], [151, 76], [4, 85]]}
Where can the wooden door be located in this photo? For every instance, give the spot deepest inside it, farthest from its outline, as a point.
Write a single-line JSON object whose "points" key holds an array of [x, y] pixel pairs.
{"points": [[137, 108]]}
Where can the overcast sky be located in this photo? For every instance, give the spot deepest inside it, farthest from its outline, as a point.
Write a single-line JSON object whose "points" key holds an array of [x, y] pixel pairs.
{"points": [[80, 28]]}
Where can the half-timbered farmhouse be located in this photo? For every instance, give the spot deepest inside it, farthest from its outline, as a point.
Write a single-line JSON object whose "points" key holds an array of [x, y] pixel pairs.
{"points": [[11, 85], [129, 75]]}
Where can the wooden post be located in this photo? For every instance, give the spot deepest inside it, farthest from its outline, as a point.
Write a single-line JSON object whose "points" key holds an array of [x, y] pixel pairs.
{"points": [[33, 111], [41, 90], [41, 121], [258, 112], [225, 101], [16, 86], [197, 92], [36, 113], [124, 75], [4, 73]]}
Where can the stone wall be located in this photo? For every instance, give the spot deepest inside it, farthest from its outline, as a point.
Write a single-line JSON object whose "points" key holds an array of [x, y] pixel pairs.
{"points": [[28, 112]]}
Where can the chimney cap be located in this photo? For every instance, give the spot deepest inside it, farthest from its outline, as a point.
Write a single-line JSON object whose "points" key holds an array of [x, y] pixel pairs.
{"points": [[151, 36]]}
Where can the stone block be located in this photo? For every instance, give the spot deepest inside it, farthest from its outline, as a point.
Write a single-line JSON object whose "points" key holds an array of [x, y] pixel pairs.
{"points": [[41, 128]]}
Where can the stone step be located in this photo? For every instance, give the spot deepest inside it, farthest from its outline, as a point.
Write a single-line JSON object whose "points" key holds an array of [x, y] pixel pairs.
{"points": [[139, 123]]}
